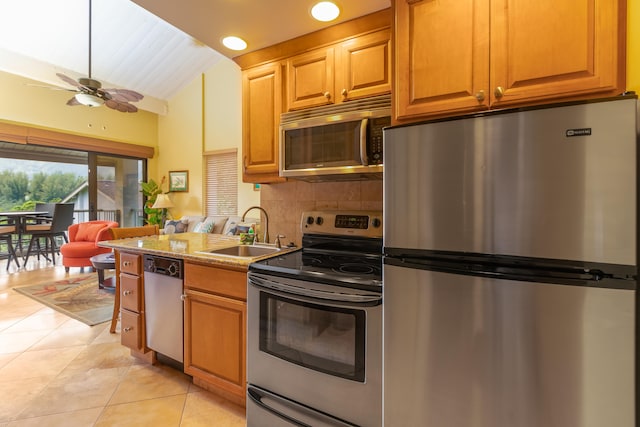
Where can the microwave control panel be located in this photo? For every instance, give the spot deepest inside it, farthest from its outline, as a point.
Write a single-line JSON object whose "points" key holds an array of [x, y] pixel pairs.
{"points": [[375, 138]]}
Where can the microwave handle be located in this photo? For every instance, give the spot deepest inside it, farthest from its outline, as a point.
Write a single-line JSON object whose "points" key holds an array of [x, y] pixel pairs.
{"points": [[363, 142]]}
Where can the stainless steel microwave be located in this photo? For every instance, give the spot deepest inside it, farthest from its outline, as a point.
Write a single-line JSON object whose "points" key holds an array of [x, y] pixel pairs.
{"points": [[335, 143]]}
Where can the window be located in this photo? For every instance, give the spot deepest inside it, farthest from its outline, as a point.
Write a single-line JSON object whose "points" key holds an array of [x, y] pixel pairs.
{"points": [[221, 182]]}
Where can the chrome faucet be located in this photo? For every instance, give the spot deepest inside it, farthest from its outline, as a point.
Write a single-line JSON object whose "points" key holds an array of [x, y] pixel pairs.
{"points": [[266, 226]]}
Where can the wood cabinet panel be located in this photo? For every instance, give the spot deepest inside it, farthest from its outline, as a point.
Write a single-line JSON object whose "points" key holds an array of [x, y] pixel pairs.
{"points": [[130, 263], [130, 286], [357, 68], [363, 66], [575, 51], [131, 292], [262, 106], [217, 339], [216, 280], [215, 320], [131, 329], [460, 56], [436, 71], [310, 79]]}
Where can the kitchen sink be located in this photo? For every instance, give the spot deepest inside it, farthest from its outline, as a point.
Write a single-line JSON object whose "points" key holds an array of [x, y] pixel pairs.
{"points": [[244, 251]]}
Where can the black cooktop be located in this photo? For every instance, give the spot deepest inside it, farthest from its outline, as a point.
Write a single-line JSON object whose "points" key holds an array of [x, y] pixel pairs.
{"points": [[336, 260]]}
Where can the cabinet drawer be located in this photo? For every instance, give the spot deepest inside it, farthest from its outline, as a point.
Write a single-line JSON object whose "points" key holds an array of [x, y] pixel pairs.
{"points": [[130, 263], [131, 329], [131, 295], [216, 280]]}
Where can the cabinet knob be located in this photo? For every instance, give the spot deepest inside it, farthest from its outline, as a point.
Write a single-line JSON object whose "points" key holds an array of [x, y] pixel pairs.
{"points": [[344, 93], [125, 293], [129, 329], [480, 95], [127, 263], [327, 95], [498, 92]]}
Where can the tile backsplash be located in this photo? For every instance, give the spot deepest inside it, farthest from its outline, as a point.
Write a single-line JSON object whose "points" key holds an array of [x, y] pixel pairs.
{"points": [[285, 202]]}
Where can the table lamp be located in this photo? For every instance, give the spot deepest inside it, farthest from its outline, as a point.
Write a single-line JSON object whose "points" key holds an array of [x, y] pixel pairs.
{"points": [[163, 202]]}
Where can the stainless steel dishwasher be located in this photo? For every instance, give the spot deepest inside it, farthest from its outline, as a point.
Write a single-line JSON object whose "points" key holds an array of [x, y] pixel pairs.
{"points": [[163, 305]]}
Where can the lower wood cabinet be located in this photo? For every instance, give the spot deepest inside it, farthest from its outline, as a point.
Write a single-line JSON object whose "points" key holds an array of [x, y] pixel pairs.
{"points": [[215, 323], [130, 286]]}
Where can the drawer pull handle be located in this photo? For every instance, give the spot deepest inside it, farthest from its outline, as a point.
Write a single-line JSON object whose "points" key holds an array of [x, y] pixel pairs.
{"points": [[125, 293], [127, 263], [129, 329]]}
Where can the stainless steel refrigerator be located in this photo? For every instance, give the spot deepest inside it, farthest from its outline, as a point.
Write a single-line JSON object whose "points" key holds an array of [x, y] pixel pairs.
{"points": [[510, 268]]}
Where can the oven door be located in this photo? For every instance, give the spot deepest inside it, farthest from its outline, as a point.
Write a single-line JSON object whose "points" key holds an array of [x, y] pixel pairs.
{"points": [[316, 345]]}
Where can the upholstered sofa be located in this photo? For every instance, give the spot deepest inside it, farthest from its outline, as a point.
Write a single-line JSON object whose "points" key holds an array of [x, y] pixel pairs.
{"points": [[218, 224]]}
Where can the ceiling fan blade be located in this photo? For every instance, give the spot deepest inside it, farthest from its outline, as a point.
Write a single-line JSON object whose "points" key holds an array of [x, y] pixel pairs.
{"points": [[123, 107], [125, 94], [52, 88], [68, 80], [73, 102]]}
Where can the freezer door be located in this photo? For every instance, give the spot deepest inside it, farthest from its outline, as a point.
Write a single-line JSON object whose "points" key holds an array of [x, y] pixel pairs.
{"points": [[517, 184], [470, 351]]}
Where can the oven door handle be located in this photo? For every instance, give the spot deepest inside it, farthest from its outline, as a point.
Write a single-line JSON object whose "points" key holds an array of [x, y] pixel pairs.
{"points": [[262, 398], [353, 299]]}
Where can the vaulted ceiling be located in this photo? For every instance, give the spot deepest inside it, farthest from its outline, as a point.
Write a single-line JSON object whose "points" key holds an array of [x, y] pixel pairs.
{"points": [[153, 47]]}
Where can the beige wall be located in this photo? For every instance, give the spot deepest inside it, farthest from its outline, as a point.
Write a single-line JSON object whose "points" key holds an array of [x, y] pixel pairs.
{"points": [[22, 103], [205, 116]]}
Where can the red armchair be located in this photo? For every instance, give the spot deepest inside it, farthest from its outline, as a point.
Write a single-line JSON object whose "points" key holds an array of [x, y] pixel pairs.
{"points": [[83, 242]]}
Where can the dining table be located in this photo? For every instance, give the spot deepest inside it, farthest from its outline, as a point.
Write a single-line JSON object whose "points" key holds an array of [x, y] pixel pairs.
{"points": [[19, 218]]}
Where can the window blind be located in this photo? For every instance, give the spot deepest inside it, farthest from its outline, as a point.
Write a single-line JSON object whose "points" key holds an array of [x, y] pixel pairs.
{"points": [[222, 183]]}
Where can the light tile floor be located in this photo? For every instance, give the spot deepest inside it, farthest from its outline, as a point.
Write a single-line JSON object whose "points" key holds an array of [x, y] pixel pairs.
{"points": [[57, 371]]}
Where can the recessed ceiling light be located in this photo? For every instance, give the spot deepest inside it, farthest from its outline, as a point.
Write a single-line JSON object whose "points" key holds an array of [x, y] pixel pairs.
{"points": [[325, 11], [234, 43]]}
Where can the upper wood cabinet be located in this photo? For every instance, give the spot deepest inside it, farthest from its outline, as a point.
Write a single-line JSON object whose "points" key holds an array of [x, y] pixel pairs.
{"points": [[357, 68], [261, 109], [458, 56]]}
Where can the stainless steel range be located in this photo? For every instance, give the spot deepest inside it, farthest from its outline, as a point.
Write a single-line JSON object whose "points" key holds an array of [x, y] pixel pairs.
{"points": [[314, 350]]}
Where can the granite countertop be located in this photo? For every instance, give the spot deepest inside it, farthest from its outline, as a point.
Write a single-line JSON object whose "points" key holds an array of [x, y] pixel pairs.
{"points": [[187, 246]]}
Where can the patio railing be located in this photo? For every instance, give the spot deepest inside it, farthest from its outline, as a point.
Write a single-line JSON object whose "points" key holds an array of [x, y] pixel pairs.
{"points": [[78, 215]]}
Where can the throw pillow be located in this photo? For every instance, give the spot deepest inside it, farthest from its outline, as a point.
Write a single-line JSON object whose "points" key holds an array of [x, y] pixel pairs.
{"points": [[207, 227], [87, 232], [198, 228]]}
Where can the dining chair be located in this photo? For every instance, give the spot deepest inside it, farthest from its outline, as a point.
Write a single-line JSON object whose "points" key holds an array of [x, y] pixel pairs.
{"points": [[7, 231], [125, 233], [61, 219]]}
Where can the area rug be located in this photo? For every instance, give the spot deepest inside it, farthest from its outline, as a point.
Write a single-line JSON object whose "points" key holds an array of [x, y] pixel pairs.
{"points": [[77, 297]]}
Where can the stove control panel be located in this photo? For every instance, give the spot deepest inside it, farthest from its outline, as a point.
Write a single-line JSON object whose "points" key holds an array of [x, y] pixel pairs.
{"points": [[344, 223]]}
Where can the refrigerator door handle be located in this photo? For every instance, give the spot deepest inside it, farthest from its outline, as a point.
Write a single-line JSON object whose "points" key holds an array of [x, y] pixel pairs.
{"points": [[277, 406]]}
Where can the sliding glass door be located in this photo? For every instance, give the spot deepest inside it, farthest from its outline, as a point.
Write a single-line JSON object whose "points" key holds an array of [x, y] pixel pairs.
{"points": [[117, 196]]}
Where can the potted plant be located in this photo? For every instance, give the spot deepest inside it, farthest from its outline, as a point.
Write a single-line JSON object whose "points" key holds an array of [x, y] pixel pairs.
{"points": [[150, 190]]}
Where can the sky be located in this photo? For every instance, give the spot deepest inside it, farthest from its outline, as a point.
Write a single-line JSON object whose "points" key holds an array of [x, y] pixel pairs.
{"points": [[31, 167]]}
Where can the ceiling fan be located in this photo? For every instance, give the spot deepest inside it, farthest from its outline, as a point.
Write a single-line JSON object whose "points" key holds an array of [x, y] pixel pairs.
{"points": [[90, 92]]}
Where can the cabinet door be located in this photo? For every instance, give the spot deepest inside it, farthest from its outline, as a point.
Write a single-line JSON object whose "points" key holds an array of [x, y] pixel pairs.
{"points": [[442, 57], [363, 66], [310, 79], [262, 106], [215, 341], [550, 49]]}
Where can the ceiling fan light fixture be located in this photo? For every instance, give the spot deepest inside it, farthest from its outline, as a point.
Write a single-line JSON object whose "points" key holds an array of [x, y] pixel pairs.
{"points": [[89, 100], [325, 11], [234, 43]]}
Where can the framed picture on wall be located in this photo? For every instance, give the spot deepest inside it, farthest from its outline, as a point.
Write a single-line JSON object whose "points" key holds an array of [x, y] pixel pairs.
{"points": [[178, 181]]}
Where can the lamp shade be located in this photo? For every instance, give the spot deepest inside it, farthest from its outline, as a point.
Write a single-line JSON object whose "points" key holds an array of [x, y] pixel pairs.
{"points": [[162, 202]]}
